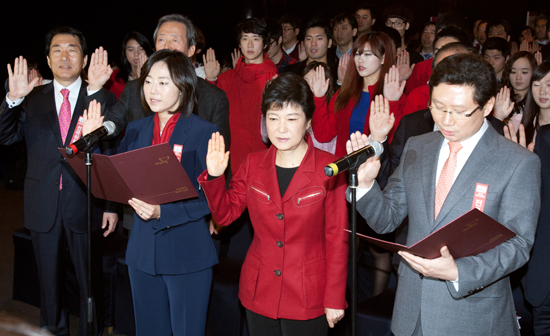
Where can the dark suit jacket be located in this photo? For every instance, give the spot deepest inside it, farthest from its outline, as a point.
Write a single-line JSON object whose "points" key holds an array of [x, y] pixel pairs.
{"points": [[179, 242], [212, 102], [536, 281], [417, 123], [36, 120]]}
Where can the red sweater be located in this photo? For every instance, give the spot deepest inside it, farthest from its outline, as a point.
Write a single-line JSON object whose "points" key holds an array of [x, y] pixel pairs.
{"points": [[327, 124], [420, 75], [417, 100], [244, 86], [115, 85]]}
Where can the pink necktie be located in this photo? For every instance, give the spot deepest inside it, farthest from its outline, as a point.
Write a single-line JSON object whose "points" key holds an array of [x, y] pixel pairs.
{"points": [[64, 121], [446, 177]]}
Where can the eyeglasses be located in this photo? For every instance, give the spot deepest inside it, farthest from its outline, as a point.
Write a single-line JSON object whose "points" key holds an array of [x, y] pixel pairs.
{"points": [[428, 33], [395, 24], [454, 114]]}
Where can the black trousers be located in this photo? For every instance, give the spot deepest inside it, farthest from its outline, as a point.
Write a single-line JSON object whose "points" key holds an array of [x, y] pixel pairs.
{"points": [[541, 318], [259, 325], [50, 250]]}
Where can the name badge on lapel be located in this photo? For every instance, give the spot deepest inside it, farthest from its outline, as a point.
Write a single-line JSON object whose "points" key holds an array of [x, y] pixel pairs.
{"points": [[177, 150], [78, 129], [480, 195]]}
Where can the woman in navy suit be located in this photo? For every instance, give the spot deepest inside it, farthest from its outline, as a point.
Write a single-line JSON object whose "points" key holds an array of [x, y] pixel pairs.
{"points": [[170, 252]]}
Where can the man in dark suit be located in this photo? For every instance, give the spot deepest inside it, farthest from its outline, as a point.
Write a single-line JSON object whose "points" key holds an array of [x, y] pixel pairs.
{"points": [[536, 282], [435, 183], [55, 197]]}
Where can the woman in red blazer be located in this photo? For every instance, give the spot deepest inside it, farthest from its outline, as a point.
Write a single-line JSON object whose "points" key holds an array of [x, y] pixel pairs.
{"points": [[293, 279], [369, 74]]}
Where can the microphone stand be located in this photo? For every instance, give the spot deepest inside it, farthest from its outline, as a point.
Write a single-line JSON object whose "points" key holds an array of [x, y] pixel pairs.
{"points": [[353, 183], [90, 298]]}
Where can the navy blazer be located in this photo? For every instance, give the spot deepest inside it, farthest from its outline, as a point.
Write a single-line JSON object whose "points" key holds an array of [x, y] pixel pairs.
{"points": [[36, 120], [179, 242]]}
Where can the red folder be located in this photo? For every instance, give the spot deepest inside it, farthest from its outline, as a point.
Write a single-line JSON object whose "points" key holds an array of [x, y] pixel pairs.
{"points": [[468, 235], [151, 174]]}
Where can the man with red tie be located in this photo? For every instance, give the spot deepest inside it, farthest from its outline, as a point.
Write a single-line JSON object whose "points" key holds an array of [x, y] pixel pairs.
{"points": [[49, 117]]}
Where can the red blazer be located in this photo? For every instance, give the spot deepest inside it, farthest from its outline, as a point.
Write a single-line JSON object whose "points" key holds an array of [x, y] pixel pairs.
{"points": [[420, 75], [327, 124], [297, 263], [244, 86]]}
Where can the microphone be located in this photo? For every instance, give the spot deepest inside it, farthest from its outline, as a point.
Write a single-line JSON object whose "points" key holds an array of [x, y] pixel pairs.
{"points": [[374, 148], [89, 140]]}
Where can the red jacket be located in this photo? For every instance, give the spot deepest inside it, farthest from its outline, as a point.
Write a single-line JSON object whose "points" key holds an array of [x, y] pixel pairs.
{"points": [[420, 75], [114, 84], [417, 100], [327, 124], [244, 86], [297, 263]]}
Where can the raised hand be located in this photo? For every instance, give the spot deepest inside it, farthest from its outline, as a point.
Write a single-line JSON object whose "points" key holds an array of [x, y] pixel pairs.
{"points": [[369, 170], [319, 85], [380, 119], [403, 64], [19, 83], [216, 157], [535, 46], [538, 57], [513, 48], [142, 58], [92, 117], [211, 65], [392, 89], [343, 67], [503, 105], [99, 71], [510, 134], [235, 56], [35, 74], [302, 55], [524, 46]]}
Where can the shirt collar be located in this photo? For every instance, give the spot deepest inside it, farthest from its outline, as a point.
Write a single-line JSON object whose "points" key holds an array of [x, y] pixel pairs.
{"points": [[74, 88]]}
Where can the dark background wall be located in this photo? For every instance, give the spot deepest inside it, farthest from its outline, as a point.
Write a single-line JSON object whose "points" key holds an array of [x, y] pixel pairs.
{"points": [[104, 22]]}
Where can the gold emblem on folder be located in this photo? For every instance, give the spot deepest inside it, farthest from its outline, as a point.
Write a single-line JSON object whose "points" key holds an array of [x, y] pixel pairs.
{"points": [[162, 160]]}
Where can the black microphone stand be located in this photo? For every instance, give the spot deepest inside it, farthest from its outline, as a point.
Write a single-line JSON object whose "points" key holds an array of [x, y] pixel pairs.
{"points": [[90, 297], [353, 183]]}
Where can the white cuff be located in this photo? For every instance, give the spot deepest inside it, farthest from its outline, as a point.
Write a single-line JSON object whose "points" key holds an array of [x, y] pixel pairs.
{"points": [[12, 104], [455, 283], [90, 92]]}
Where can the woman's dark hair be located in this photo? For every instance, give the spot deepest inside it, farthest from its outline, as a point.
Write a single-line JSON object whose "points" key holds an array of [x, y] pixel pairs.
{"points": [[64, 30], [519, 103], [253, 26], [352, 88], [125, 66], [531, 113], [288, 89], [469, 70], [328, 75], [182, 74]]}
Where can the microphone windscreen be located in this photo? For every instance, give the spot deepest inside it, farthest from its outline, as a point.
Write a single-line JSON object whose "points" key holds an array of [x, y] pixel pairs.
{"points": [[110, 126], [377, 146]]}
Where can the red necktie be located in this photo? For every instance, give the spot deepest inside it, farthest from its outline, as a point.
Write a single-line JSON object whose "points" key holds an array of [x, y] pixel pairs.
{"points": [[64, 121], [445, 181]]}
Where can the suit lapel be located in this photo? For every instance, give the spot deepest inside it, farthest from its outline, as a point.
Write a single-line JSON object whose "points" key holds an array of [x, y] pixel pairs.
{"points": [[479, 161], [78, 111], [429, 171], [51, 112], [179, 134]]}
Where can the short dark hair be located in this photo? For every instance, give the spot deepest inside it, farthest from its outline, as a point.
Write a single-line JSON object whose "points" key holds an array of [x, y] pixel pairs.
{"points": [[125, 66], [343, 17], [428, 23], [499, 22], [366, 6], [65, 30], [275, 29], [541, 17], [454, 19], [288, 89], [182, 74], [393, 34], [398, 11], [497, 43], [319, 23], [190, 32], [291, 19], [457, 47], [469, 70], [253, 26], [528, 28], [453, 32]]}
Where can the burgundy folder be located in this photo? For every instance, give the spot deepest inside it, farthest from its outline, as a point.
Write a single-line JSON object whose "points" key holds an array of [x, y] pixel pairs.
{"points": [[151, 174], [468, 235]]}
